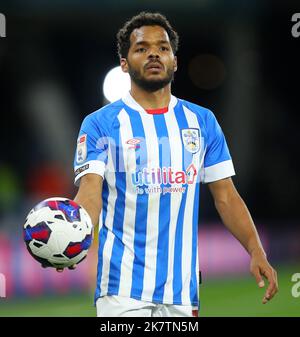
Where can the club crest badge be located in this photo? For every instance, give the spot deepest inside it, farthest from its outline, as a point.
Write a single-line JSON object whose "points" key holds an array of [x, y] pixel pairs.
{"points": [[81, 151], [191, 139]]}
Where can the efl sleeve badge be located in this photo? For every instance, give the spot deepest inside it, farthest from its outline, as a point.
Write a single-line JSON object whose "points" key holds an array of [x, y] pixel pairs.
{"points": [[81, 151]]}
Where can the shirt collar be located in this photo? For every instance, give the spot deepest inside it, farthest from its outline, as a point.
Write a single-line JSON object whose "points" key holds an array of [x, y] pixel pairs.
{"points": [[132, 103]]}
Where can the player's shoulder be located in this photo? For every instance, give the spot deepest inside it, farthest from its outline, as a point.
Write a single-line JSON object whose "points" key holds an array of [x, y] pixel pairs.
{"points": [[202, 112], [104, 117]]}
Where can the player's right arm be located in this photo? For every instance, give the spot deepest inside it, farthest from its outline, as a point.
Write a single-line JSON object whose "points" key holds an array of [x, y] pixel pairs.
{"points": [[89, 195], [90, 164]]}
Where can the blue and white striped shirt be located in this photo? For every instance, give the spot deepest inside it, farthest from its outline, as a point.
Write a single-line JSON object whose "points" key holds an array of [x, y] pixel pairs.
{"points": [[152, 165]]}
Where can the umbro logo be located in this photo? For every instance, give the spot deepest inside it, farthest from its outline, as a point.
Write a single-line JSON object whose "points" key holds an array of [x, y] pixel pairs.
{"points": [[133, 143]]}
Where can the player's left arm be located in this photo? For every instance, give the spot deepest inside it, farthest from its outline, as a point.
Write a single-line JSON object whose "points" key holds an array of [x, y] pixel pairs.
{"points": [[236, 217]]}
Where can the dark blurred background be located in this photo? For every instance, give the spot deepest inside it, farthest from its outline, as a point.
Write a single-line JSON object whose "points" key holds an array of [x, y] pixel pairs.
{"points": [[237, 58]]}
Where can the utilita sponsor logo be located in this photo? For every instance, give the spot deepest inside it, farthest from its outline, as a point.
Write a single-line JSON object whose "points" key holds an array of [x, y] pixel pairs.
{"points": [[165, 175]]}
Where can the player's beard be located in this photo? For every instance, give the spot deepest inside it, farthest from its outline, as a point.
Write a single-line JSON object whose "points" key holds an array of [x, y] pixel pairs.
{"points": [[148, 84]]}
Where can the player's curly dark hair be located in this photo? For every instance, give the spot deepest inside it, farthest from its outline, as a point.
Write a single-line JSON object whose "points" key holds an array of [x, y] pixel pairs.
{"points": [[144, 19]]}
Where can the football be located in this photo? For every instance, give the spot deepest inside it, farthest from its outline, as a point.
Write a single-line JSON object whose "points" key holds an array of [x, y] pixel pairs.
{"points": [[58, 232]]}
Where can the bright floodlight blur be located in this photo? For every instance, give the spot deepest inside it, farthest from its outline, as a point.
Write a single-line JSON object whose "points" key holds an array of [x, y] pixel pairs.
{"points": [[116, 84]]}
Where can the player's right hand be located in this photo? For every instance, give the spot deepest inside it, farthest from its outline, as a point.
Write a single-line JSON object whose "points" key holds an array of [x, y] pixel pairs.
{"points": [[60, 270]]}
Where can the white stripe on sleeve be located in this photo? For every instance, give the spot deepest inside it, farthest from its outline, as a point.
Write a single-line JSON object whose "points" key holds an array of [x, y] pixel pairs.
{"points": [[218, 171], [92, 166]]}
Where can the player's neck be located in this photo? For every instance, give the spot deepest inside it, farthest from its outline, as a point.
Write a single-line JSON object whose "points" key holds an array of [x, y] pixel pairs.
{"points": [[151, 100]]}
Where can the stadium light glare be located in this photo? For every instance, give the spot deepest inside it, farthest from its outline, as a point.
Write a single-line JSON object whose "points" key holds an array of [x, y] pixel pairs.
{"points": [[116, 83]]}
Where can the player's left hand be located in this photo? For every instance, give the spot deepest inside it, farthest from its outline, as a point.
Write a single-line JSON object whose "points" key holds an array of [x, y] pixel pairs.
{"points": [[260, 268]]}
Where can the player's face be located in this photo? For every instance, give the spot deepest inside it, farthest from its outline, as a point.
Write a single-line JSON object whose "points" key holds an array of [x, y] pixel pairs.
{"points": [[150, 61]]}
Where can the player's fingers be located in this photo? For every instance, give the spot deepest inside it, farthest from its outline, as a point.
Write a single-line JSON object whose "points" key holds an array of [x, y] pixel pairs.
{"points": [[73, 267], [258, 277], [277, 286], [272, 287], [275, 289]]}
